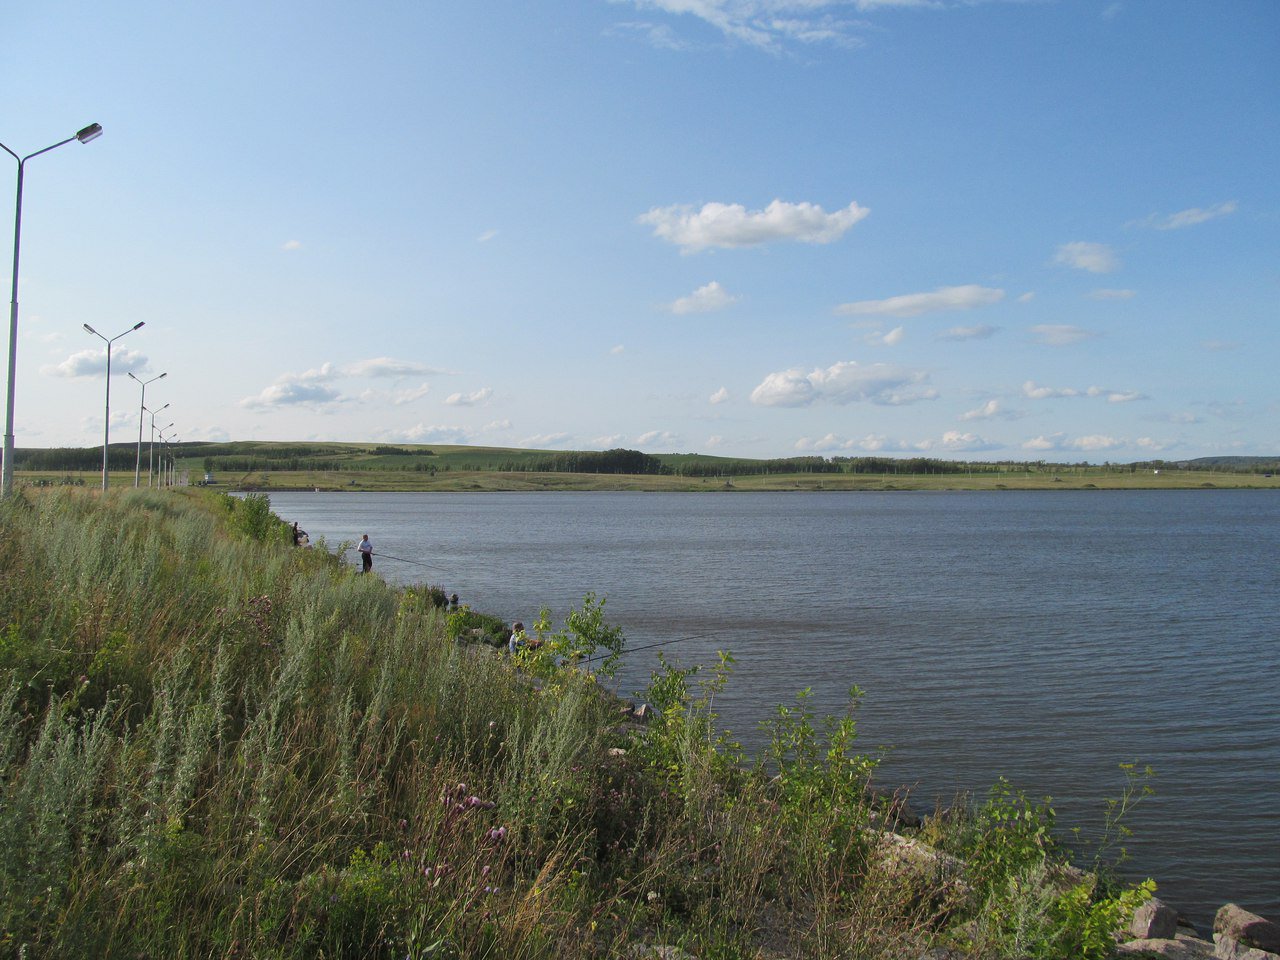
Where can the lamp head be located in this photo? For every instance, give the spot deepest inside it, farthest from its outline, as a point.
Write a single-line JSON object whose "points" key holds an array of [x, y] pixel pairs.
{"points": [[140, 323], [92, 132], [91, 330]]}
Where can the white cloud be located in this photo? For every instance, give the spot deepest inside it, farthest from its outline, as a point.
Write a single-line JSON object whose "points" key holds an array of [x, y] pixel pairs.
{"points": [[1034, 392], [987, 411], [657, 438], [496, 426], [472, 399], [964, 297], [1060, 334], [1059, 441], [617, 350], [824, 444], [1094, 257], [291, 245], [610, 441], [1220, 344], [982, 331], [715, 440], [1096, 442], [706, 299], [1027, 297], [1193, 216], [430, 433], [486, 236], [1105, 294], [842, 383], [769, 24], [383, 367], [955, 441], [292, 393], [890, 339], [720, 396], [541, 441], [728, 225], [402, 397], [93, 363]]}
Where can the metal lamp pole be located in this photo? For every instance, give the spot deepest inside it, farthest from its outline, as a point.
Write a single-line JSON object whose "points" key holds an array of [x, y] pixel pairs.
{"points": [[142, 408], [151, 455], [91, 132], [106, 426]]}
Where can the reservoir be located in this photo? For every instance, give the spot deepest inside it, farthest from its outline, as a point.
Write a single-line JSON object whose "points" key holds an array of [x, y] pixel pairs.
{"points": [[1046, 637]]}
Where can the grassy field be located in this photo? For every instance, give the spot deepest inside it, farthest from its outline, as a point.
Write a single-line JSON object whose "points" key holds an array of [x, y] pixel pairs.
{"points": [[1093, 478], [216, 745], [257, 465]]}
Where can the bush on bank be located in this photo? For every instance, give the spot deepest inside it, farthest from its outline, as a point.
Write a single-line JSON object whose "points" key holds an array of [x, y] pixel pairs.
{"points": [[215, 745]]}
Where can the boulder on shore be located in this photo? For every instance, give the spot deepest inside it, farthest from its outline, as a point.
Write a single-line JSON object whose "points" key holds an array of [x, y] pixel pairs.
{"points": [[1234, 922]]}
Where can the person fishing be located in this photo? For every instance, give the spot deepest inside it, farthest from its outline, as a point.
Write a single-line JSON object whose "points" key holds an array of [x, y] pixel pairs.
{"points": [[366, 554]]}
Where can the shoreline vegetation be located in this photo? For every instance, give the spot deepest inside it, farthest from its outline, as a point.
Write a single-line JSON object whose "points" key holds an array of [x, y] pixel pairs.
{"points": [[249, 466], [217, 744]]}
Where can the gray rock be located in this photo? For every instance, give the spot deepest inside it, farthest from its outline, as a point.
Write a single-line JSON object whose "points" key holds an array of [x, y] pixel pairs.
{"points": [[1247, 929], [1226, 948], [1154, 920], [1182, 948]]}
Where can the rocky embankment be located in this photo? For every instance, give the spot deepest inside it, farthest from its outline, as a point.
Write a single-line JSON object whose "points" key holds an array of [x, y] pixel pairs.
{"points": [[1237, 935]]}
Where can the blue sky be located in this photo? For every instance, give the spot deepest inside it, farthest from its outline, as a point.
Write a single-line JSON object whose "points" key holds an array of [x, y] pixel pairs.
{"points": [[963, 229]]}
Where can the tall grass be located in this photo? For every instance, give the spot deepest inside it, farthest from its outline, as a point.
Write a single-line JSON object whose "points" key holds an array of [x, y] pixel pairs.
{"points": [[213, 744]]}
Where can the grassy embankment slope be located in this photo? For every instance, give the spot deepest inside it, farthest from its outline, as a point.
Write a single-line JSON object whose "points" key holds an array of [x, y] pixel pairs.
{"points": [[253, 465], [213, 744]]}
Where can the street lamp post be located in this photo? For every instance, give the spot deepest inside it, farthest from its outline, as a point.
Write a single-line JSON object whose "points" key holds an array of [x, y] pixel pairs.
{"points": [[106, 426], [91, 132], [142, 408], [151, 456]]}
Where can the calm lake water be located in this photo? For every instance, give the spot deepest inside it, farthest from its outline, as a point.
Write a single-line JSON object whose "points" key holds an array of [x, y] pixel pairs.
{"points": [[1043, 637]]}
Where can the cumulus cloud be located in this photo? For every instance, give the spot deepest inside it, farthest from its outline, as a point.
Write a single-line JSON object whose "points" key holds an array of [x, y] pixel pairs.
{"points": [[706, 299], [1094, 257], [617, 350], [308, 388], [291, 245], [475, 398], [845, 382], [546, 440], [1193, 216], [93, 363], [1060, 334], [720, 396], [987, 411], [292, 393], [657, 438], [1032, 391], [729, 225], [964, 297], [486, 236], [432, 433], [1105, 294], [982, 331], [1092, 443], [496, 426]]}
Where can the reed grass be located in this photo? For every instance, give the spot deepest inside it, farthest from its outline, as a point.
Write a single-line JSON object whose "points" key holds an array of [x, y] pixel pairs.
{"points": [[213, 744]]}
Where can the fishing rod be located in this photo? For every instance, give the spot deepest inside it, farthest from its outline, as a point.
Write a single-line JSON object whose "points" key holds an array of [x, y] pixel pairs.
{"points": [[387, 556], [663, 643]]}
